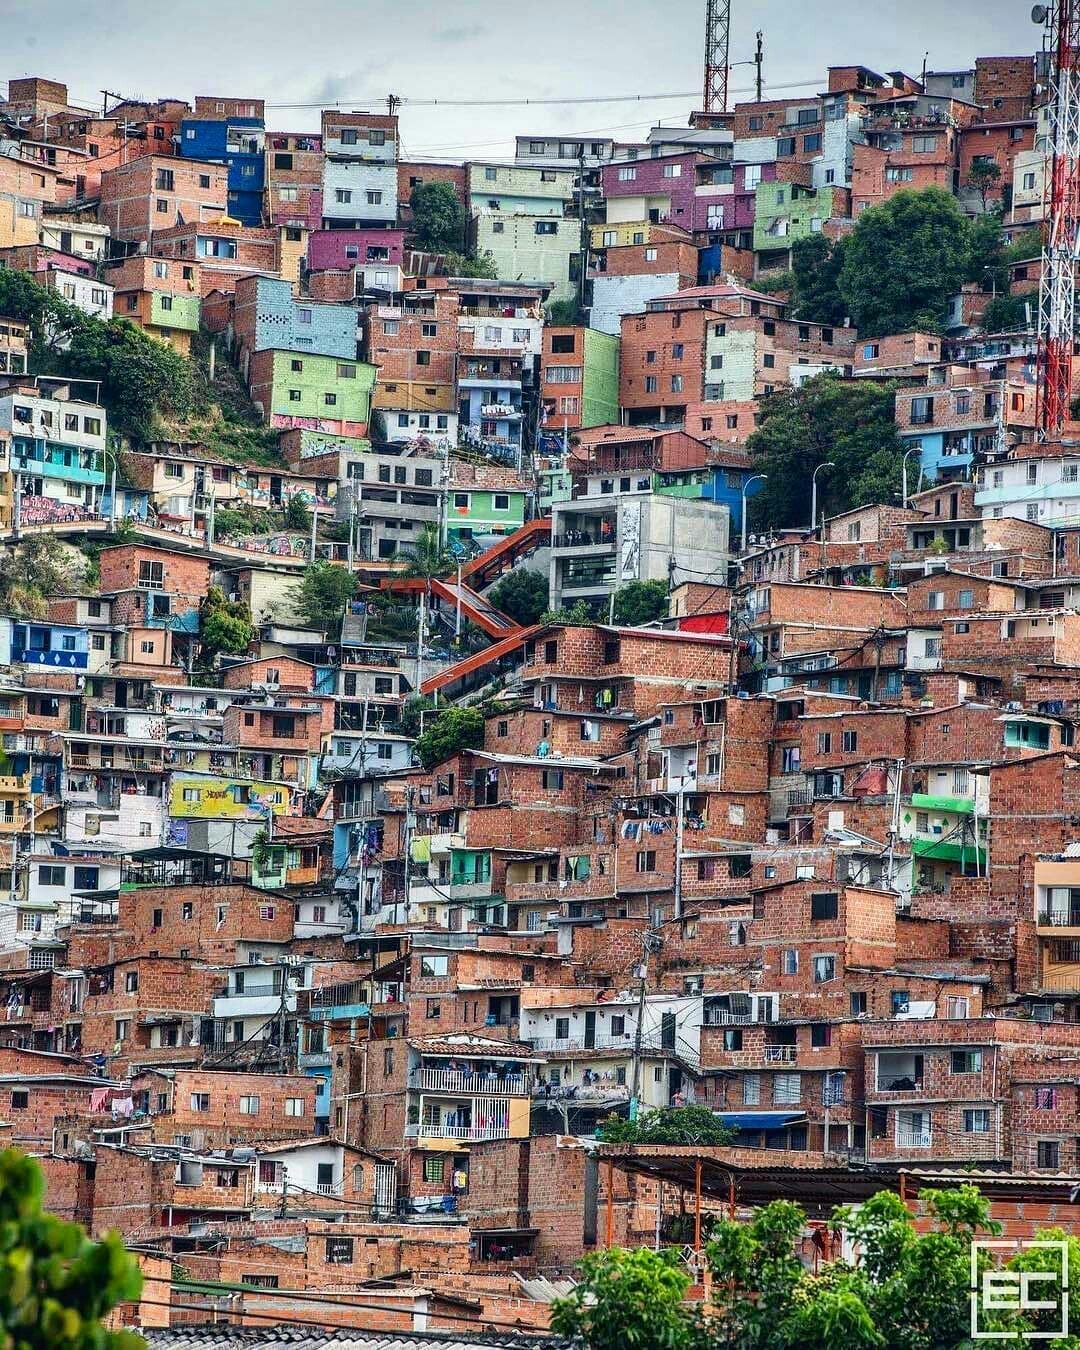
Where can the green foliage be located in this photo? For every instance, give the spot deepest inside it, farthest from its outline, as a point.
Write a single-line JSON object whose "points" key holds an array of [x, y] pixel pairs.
{"points": [[260, 851], [986, 252], [427, 557], [850, 422], [903, 260], [324, 594], [983, 176], [578, 614], [141, 379], [56, 1285], [297, 515], [667, 1125], [409, 722], [29, 574], [1024, 246], [231, 522], [627, 1300], [469, 265], [224, 625], [564, 313], [816, 263], [1006, 313], [773, 283], [640, 602], [438, 218], [522, 594], [453, 730]]}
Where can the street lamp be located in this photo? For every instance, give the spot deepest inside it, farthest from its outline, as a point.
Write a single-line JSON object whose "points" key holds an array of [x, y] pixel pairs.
{"points": [[828, 464], [754, 478], [915, 449], [106, 455]]}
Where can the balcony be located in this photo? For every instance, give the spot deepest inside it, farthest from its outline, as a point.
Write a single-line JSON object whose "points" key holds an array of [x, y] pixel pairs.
{"points": [[467, 1133], [1059, 918], [908, 1138], [781, 1054], [457, 1082], [500, 411]]}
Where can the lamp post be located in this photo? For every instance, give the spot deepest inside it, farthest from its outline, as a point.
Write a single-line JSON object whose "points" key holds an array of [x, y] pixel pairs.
{"points": [[828, 464], [915, 449], [106, 455], [754, 478]]}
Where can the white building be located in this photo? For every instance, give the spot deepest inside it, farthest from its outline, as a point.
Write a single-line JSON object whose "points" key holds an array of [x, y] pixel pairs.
{"points": [[88, 294], [82, 238], [1042, 489]]}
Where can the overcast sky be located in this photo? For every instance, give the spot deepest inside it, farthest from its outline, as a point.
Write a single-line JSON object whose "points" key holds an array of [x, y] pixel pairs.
{"points": [[319, 51]]}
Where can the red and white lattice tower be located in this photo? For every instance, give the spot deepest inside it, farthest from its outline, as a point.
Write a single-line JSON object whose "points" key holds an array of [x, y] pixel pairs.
{"points": [[717, 29], [1057, 291]]}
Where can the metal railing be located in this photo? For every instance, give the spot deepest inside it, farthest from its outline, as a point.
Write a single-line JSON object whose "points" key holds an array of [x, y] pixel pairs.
{"points": [[472, 1133], [455, 1080], [913, 1138], [781, 1054]]}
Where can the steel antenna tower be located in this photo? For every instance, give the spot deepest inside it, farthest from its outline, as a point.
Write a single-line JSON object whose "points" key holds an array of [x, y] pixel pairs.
{"points": [[717, 31], [1057, 288]]}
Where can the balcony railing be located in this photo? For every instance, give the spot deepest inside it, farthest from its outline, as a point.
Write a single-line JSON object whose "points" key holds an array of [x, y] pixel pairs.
{"points": [[781, 1054], [1059, 918], [800, 796], [913, 1138], [454, 1080], [471, 1133], [899, 1083]]}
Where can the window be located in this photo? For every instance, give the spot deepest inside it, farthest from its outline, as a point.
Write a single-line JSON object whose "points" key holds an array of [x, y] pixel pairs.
{"points": [[811, 143], [924, 145], [131, 982], [646, 860], [785, 145], [339, 1251], [977, 1120], [824, 743], [672, 170], [51, 875], [20, 1099], [627, 174], [824, 969], [374, 198], [787, 1089], [249, 1106], [824, 906], [850, 740], [1045, 1099], [294, 1106], [965, 1061], [789, 961], [820, 1035], [857, 1003], [1048, 1154], [434, 966], [200, 1101], [547, 227], [433, 1168]]}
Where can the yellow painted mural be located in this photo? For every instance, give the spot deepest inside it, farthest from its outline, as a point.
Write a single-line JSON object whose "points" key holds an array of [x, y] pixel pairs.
{"points": [[194, 798]]}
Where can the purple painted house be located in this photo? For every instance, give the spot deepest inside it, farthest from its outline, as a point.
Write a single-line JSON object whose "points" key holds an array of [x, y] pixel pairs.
{"points": [[339, 250], [726, 194], [695, 191]]}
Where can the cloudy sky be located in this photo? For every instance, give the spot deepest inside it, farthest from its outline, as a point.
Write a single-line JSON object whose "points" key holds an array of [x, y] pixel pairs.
{"points": [[354, 52]]}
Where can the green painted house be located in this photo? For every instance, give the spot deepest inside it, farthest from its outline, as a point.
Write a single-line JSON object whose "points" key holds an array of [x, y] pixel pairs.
{"points": [[784, 212], [297, 389]]}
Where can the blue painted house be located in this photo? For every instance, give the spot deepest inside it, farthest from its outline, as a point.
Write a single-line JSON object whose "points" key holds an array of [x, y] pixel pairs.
{"points": [[240, 143]]}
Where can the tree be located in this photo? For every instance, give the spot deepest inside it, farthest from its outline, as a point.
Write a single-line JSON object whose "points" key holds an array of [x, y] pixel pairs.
{"points": [[983, 175], [640, 602], [410, 721], [454, 729], [141, 379], [816, 264], [851, 423], [427, 557], [438, 218], [576, 614], [564, 313], [297, 515], [1006, 313], [324, 593], [668, 1125], [903, 260], [472, 265], [57, 1284], [522, 594], [29, 574], [224, 625], [627, 1300]]}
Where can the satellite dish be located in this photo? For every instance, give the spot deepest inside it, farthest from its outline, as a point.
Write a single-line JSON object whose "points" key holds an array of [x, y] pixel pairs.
{"points": [[1039, 13]]}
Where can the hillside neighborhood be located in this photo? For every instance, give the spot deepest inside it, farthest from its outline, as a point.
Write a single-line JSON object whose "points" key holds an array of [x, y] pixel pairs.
{"points": [[498, 655]]}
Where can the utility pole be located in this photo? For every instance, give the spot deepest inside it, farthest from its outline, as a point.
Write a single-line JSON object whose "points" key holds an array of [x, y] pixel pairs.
{"points": [[583, 237], [650, 941], [283, 1207], [680, 806], [758, 56]]}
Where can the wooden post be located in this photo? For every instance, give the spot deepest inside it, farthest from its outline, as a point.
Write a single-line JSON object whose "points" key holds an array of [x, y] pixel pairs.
{"points": [[609, 1236], [697, 1204], [731, 1196], [903, 1188]]}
